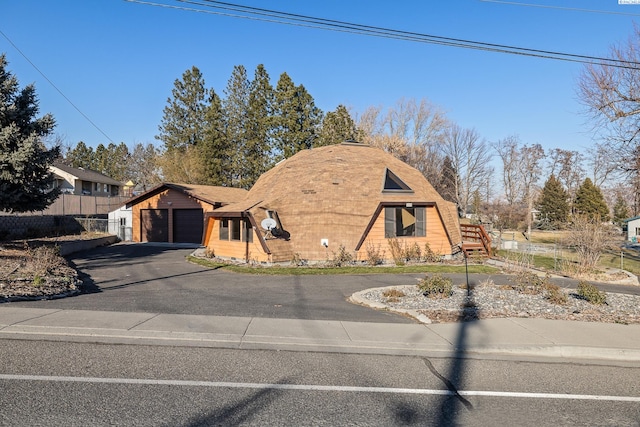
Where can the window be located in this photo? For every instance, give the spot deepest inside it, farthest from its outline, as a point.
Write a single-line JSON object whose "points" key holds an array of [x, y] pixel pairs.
{"points": [[393, 183], [247, 232], [224, 229], [236, 229], [404, 222]]}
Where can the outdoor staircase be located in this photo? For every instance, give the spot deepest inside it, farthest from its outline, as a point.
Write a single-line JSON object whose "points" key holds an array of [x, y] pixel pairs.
{"points": [[476, 243]]}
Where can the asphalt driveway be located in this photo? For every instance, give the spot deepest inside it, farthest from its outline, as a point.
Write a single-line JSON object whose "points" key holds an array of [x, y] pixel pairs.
{"points": [[158, 279]]}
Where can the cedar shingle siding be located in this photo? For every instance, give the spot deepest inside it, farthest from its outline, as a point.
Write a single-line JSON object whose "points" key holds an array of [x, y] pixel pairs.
{"points": [[344, 195]]}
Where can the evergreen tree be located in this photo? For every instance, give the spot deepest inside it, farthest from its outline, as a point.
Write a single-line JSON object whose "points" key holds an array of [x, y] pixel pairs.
{"points": [[80, 156], [590, 202], [236, 109], [182, 129], [214, 149], [620, 211], [257, 148], [25, 179], [337, 127], [297, 118], [553, 202]]}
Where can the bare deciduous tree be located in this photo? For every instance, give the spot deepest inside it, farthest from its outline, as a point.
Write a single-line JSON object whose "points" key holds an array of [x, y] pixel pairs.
{"points": [[590, 238], [411, 131], [566, 166], [508, 150], [612, 100], [470, 158]]}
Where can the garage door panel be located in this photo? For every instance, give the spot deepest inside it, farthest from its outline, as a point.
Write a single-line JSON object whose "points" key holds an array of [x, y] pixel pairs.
{"points": [[187, 225], [154, 225]]}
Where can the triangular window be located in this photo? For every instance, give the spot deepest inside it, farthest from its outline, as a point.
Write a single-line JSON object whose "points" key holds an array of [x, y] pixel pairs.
{"points": [[393, 183]]}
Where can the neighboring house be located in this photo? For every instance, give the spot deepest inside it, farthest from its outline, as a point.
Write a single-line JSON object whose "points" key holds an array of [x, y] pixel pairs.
{"points": [[120, 223], [633, 228], [174, 213], [349, 195], [84, 182]]}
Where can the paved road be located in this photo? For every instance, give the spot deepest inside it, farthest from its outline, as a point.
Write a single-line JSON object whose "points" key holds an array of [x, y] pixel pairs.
{"points": [[157, 279], [46, 383]]}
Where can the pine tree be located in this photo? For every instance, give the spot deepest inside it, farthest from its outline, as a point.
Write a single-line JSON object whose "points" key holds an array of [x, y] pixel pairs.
{"points": [[214, 149], [25, 179], [80, 156], [236, 109], [257, 149], [182, 128], [590, 202], [620, 211], [297, 118], [337, 127], [553, 202], [446, 185]]}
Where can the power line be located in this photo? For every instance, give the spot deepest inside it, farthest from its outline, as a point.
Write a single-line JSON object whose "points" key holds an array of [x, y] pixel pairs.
{"points": [[55, 87], [272, 16], [572, 9]]}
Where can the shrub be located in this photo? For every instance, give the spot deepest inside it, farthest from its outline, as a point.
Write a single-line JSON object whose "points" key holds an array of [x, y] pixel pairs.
{"points": [[393, 295], [555, 295], [375, 256], [297, 260], [396, 251], [43, 260], [429, 255], [436, 286], [401, 252], [341, 257], [590, 293], [528, 282]]}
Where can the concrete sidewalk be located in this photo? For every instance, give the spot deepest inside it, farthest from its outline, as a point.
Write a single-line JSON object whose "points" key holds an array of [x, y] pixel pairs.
{"points": [[513, 337]]}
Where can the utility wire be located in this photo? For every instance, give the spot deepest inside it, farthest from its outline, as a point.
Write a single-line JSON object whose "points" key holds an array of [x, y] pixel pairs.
{"points": [[272, 16], [572, 9], [55, 87]]}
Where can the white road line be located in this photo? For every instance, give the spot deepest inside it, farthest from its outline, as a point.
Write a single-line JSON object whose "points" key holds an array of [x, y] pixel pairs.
{"points": [[312, 387]]}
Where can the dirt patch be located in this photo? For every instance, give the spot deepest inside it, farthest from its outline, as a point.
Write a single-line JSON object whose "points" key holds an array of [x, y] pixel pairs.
{"points": [[34, 269]]}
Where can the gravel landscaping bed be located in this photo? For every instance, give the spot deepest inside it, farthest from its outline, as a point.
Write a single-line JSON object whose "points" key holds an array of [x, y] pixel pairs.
{"points": [[489, 301]]}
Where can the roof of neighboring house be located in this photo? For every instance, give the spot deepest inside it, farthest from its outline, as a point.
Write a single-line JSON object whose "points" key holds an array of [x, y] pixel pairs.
{"points": [[207, 193], [86, 174], [339, 187], [631, 219]]}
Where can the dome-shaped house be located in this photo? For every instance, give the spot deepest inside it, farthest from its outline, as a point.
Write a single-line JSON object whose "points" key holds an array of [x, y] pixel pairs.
{"points": [[350, 195]]}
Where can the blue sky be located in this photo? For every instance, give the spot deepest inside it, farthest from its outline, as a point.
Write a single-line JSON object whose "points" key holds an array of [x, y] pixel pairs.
{"points": [[117, 61]]}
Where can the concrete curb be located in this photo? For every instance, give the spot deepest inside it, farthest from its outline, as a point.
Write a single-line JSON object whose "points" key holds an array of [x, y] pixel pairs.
{"points": [[67, 248]]}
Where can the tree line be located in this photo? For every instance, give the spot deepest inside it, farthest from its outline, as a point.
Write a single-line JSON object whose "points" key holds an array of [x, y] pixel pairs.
{"points": [[231, 138], [231, 141]]}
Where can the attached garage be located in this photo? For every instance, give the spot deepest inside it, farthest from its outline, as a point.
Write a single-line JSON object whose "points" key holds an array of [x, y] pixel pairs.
{"points": [[174, 213]]}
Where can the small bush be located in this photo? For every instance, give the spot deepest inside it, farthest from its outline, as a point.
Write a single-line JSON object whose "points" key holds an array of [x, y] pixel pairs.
{"points": [[209, 253], [396, 251], [590, 293], [436, 286], [555, 295], [341, 257], [43, 260], [297, 260], [428, 255], [375, 255], [393, 295], [528, 282]]}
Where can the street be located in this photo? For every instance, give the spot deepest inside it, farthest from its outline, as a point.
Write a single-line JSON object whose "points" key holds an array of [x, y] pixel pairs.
{"points": [[62, 380], [48, 383]]}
